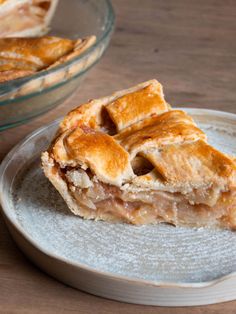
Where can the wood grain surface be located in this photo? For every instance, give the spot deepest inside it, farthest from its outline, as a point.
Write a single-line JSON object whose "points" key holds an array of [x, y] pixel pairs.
{"points": [[190, 47]]}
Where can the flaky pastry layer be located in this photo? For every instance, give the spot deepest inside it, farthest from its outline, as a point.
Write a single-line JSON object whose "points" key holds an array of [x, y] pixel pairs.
{"points": [[21, 57]]}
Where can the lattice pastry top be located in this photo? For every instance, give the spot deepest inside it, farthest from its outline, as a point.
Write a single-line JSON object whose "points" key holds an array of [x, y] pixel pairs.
{"points": [[113, 135]]}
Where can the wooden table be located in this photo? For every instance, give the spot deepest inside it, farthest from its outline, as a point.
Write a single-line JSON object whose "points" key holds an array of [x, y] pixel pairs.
{"points": [[190, 47]]}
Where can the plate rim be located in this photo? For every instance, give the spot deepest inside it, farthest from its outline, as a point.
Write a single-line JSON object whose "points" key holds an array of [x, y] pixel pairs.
{"points": [[5, 209]]}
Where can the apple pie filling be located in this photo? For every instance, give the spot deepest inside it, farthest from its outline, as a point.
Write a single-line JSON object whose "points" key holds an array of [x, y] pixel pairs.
{"points": [[107, 202]]}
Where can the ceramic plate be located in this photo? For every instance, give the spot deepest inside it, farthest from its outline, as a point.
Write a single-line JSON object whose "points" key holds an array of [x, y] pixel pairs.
{"points": [[156, 265]]}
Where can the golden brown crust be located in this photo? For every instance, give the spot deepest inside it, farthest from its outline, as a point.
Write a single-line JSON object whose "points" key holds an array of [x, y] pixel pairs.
{"points": [[12, 75], [205, 165], [144, 129], [91, 112], [174, 126], [94, 150], [136, 106], [79, 47], [24, 56], [193, 168], [32, 54]]}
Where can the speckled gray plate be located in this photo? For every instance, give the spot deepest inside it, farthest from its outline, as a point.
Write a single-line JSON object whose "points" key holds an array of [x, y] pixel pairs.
{"points": [[158, 265]]}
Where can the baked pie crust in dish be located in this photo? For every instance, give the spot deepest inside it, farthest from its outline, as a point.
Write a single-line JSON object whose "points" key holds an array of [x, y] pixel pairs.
{"points": [[20, 57], [131, 158], [24, 18]]}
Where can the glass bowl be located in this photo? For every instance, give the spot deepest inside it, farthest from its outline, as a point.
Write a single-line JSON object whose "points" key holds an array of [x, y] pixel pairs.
{"points": [[25, 98]]}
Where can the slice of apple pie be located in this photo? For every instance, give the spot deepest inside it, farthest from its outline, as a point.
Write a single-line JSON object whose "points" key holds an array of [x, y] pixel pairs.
{"points": [[132, 158]]}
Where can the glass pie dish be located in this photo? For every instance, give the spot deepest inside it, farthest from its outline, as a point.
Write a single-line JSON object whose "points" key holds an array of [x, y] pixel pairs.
{"points": [[25, 98]]}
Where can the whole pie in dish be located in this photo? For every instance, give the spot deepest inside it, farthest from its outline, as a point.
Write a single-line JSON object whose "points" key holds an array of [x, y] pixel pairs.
{"points": [[20, 57], [131, 158], [23, 18]]}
